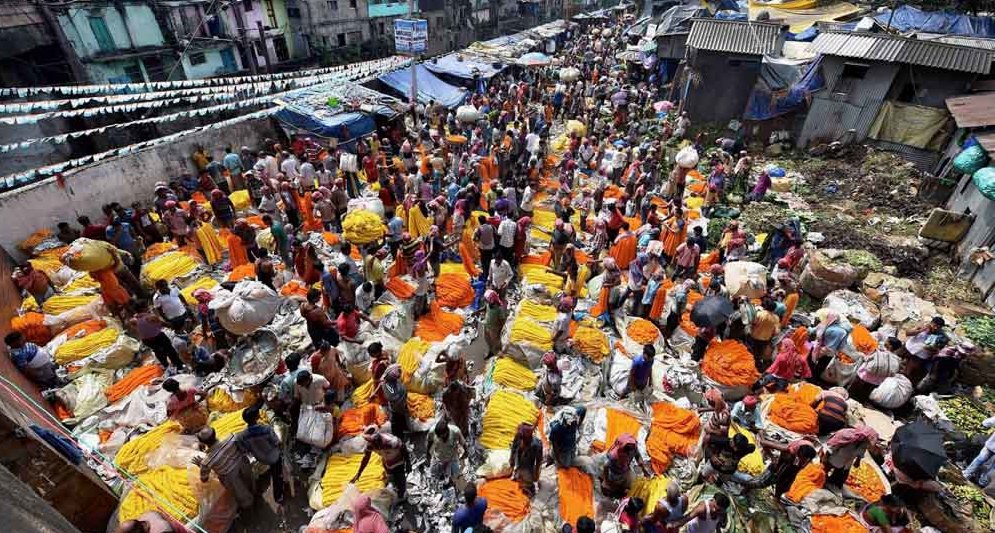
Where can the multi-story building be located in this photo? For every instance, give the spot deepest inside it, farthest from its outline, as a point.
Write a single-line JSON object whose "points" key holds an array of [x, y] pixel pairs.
{"points": [[202, 36], [118, 42], [265, 31]]}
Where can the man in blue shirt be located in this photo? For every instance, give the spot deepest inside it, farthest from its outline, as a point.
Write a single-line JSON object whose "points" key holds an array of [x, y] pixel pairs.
{"points": [[641, 370], [471, 514], [121, 235], [746, 414], [233, 163]]}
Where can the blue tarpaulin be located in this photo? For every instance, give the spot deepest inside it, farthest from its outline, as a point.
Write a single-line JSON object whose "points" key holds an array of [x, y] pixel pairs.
{"points": [[768, 101], [466, 67], [341, 110], [910, 19], [430, 87]]}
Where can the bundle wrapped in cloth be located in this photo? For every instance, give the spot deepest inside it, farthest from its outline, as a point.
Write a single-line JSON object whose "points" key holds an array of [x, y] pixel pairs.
{"points": [[250, 306]]}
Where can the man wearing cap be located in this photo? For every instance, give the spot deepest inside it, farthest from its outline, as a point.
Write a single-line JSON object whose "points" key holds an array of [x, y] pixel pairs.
{"points": [[229, 463], [746, 414], [393, 454]]}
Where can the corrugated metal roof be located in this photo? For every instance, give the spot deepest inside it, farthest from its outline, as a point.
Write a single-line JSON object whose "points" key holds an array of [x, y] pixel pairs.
{"points": [[751, 38], [973, 111], [959, 40], [879, 47]]}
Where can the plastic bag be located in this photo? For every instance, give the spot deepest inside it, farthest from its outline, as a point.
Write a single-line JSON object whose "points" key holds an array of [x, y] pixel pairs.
{"points": [[687, 157], [348, 162], [467, 113], [984, 180], [744, 278], [840, 373], [247, 308], [314, 428], [88, 255], [971, 159], [893, 392]]}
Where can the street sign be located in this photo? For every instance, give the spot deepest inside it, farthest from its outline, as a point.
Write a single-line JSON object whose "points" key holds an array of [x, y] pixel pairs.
{"points": [[410, 36]]}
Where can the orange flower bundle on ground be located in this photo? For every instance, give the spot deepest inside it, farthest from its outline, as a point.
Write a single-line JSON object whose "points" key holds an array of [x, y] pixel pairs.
{"points": [[824, 523], [865, 482], [729, 363], [543, 259], [790, 413], [863, 341], [810, 478], [354, 420], [707, 260], [674, 431], [800, 337], [294, 288], [400, 288], [421, 406], [132, 380], [453, 290], [158, 248], [619, 423], [32, 326], [506, 496], [643, 331], [86, 327], [576, 494], [689, 327], [331, 239], [241, 272], [805, 392], [437, 324]]}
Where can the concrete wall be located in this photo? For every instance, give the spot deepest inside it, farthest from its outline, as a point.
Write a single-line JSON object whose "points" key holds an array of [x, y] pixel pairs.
{"points": [[138, 27], [123, 179], [212, 66]]}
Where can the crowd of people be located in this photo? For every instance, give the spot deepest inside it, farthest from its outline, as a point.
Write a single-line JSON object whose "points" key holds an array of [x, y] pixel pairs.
{"points": [[468, 192]]}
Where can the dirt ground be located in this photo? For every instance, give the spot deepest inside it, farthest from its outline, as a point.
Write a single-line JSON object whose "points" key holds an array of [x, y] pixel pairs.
{"points": [[867, 199]]}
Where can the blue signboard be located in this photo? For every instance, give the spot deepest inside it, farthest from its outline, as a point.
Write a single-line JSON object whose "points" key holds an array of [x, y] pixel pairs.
{"points": [[410, 36]]}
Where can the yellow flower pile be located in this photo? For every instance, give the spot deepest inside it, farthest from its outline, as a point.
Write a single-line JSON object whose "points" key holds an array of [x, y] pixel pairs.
{"points": [[420, 406], [339, 471], [410, 356], [221, 401], [362, 227], [505, 411], [168, 266], [202, 283], [534, 311], [167, 484], [232, 423], [537, 275], [511, 373], [82, 283], [60, 303], [529, 332], [591, 342], [650, 490], [753, 463], [133, 456], [361, 394], [76, 349]]}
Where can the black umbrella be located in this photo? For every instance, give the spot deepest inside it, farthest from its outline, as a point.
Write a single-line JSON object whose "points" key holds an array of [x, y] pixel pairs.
{"points": [[711, 311], [917, 450]]}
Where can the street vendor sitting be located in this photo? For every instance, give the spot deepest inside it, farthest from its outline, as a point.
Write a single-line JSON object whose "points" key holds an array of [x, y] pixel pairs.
{"points": [[184, 406]]}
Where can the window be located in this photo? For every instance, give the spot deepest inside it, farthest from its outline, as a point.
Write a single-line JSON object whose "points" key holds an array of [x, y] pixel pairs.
{"points": [[280, 45], [852, 72], [294, 12], [354, 37], [333, 5], [352, 4], [341, 38], [380, 28], [260, 51], [134, 73], [154, 68], [197, 58], [100, 32], [247, 5]]}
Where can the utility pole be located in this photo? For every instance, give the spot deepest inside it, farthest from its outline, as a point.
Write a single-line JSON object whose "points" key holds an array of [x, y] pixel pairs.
{"points": [[414, 63], [262, 41], [243, 38]]}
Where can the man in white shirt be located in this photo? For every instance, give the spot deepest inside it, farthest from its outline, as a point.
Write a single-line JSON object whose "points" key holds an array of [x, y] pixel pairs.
{"points": [[308, 173], [309, 389], [365, 296], [170, 304], [506, 238], [528, 199], [290, 166], [500, 275], [271, 166], [532, 143], [445, 441]]}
